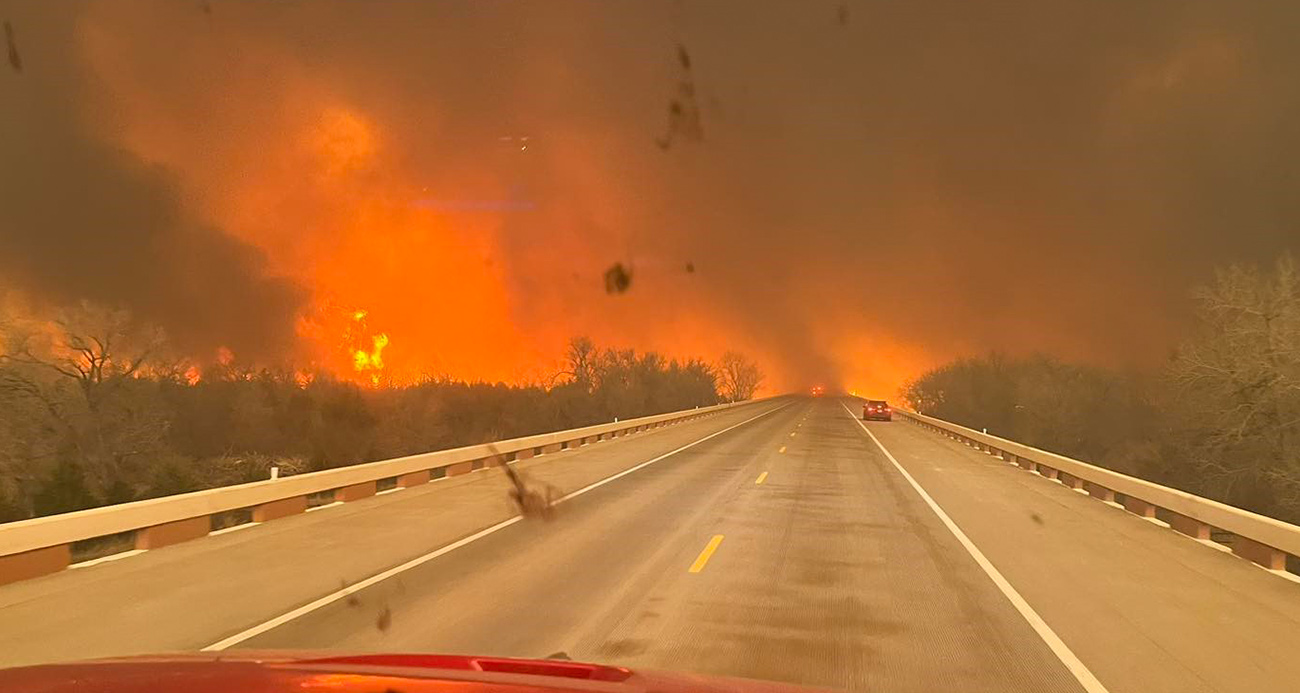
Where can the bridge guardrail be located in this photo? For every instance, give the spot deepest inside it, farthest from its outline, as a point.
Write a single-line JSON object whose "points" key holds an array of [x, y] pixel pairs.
{"points": [[1264, 540], [29, 548]]}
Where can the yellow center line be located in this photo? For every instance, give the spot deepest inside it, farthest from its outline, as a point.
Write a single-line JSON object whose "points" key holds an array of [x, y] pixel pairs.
{"points": [[761, 478], [782, 449], [703, 558]]}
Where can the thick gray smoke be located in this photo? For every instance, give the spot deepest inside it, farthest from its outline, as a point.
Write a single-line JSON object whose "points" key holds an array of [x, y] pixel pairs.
{"points": [[83, 219], [925, 177]]}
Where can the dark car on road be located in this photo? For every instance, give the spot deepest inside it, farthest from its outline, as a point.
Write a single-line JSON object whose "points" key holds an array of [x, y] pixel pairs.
{"points": [[877, 410]]}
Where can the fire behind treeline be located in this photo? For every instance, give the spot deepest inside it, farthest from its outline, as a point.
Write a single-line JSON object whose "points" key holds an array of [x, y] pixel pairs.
{"points": [[98, 409], [847, 200]]}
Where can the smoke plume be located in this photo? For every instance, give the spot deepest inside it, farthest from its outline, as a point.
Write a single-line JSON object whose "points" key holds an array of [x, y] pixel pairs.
{"points": [[858, 189]]}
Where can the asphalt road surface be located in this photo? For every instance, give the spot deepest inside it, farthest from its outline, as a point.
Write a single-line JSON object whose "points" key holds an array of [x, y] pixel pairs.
{"points": [[776, 541]]}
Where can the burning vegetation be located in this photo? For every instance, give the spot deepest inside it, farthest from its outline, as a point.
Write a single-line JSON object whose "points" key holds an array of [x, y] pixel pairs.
{"points": [[99, 408], [367, 359]]}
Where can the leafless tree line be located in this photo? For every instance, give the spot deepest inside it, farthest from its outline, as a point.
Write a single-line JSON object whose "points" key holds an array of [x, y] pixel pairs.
{"points": [[95, 408], [1221, 418]]}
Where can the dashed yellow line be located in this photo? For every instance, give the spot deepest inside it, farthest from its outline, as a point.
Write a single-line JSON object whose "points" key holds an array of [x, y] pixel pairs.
{"points": [[704, 556], [791, 434], [782, 449], [761, 478]]}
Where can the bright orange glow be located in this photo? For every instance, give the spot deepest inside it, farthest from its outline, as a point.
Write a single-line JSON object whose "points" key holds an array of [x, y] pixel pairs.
{"points": [[321, 181], [371, 361], [193, 375]]}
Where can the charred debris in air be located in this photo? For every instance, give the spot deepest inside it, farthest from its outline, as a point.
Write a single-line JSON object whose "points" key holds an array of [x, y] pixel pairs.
{"points": [[618, 278], [15, 59], [683, 109], [534, 500], [383, 617]]}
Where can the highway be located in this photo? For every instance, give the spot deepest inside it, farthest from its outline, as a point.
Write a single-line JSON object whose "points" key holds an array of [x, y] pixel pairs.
{"points": [[785, 540]]}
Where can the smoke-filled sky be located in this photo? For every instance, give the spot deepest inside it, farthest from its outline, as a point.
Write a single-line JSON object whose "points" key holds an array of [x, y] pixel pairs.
{"points": [[849, 192]]}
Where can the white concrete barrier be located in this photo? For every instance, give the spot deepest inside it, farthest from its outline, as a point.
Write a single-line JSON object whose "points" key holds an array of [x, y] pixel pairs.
{"points": [[1261, 539], [43, 545]]}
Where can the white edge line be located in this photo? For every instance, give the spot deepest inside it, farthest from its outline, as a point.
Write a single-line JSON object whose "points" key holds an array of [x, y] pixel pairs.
{"points": [[1210, 543], [419, 560], [111, 557], [1285, 574], [394, 489], [1062, 651], [357, 587], [233, 528], [326, 505], [647, 463]]}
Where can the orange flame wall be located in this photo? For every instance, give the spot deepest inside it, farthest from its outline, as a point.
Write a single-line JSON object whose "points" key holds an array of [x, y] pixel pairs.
{"points": [[370, 195]]}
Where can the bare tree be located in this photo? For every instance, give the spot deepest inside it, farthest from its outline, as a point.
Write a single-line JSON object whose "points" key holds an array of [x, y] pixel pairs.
{"points": [[1238, 384], [90, 344], [738, 377], [83, 371], [581, 361]]}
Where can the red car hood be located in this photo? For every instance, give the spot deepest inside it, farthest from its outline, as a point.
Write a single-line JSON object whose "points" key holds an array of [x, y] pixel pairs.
{"points": [[264, 672]]}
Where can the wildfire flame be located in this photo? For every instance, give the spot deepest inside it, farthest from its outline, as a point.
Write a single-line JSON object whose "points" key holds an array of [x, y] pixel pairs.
{"points": [[372, 360], [367, 361]]}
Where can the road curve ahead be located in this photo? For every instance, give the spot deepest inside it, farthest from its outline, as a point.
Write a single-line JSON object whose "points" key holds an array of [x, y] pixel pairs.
{"points": [[787, 548]]}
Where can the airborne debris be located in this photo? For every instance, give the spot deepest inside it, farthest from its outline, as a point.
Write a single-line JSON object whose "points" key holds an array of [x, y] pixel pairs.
{"points": [[385, 619], [617, 279], [15, 59], [690, 268], [533, 501], [1036, 518], [683, 111], [843, 14]]}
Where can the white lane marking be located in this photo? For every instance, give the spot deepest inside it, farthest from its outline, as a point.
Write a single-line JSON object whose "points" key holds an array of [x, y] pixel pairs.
{"points": [[647, 463], [419, 560], [111, 557], [232, 528], [1081, 672], [357, 587], [394, 489], [322, 507]]}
